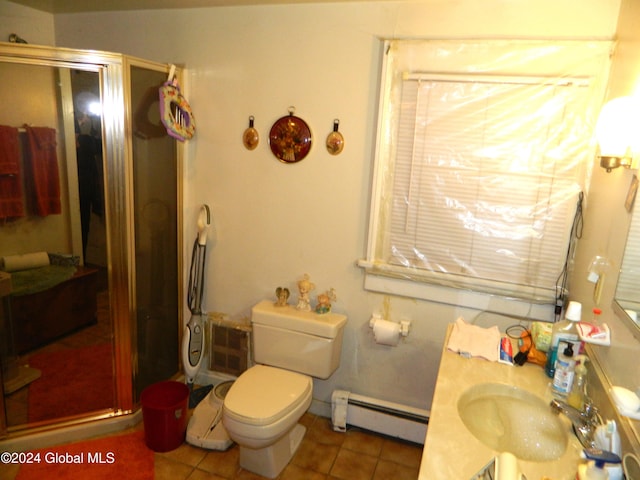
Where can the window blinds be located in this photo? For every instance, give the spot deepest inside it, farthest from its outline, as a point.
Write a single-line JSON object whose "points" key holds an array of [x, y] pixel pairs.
{"points": [[485, 180]]}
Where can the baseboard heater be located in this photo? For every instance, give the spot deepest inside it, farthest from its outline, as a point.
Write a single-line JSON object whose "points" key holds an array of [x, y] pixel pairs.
{"points": [[392, 419]]}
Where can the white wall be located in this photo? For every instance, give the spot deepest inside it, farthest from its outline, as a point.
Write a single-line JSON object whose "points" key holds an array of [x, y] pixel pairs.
{"points": [[275, 222], [29, 24]]}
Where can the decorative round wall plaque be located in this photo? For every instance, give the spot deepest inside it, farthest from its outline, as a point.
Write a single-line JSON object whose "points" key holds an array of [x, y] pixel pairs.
{"points": [[290, 138]]}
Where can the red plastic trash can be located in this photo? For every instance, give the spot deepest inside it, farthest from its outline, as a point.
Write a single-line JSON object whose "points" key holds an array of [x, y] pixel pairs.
{"points": [[164, 414]]}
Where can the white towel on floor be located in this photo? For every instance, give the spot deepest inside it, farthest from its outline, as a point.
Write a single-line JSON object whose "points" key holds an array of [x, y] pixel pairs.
{"points": [[473, 341]]}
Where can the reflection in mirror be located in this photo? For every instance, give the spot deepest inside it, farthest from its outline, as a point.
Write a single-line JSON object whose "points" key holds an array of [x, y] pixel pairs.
{"points": [[55, 332], [627, 291]]}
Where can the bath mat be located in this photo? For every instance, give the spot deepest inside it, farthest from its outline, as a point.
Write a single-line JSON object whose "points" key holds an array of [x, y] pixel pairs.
{"points": [[73, 381], [108, 458]]}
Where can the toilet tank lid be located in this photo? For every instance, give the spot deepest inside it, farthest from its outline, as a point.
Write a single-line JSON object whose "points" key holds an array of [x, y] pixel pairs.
{"points": [[326, 325]]}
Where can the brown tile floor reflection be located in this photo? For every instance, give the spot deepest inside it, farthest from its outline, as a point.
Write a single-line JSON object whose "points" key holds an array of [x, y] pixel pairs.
{"points": [[323, 455]]}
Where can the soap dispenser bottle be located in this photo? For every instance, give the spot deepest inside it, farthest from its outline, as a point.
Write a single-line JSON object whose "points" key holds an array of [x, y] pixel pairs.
{"points": [[565, 370], [578, 394], [565, 330]]}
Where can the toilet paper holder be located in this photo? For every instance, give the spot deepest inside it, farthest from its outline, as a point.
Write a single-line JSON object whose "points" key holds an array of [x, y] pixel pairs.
{"points": [[404, 324]]}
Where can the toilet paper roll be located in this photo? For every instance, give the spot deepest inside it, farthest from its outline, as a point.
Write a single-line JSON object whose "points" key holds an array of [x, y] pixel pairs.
{"points": [[14, 263], [386, 332]]}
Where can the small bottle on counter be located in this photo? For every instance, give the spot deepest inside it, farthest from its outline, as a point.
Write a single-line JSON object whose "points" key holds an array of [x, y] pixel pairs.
{"points": [[596, 316], [578, 393], [565, 370], [592, 471]]}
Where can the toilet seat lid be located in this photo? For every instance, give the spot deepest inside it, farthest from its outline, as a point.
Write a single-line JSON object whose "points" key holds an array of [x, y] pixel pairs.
{"points": [[262, 395]]}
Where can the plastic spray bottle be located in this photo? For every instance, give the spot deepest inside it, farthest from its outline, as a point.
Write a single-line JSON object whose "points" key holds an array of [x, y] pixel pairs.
{"points": [[607, 439], [578, 393], [594, 469], [567, 331]]}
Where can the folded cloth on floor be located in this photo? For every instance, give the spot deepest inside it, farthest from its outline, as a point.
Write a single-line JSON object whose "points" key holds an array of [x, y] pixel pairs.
{"points": [[473, 341]]}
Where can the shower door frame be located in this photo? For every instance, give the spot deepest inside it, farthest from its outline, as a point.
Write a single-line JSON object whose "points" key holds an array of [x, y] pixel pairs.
{"points": [[129, 63], [118, 184]]}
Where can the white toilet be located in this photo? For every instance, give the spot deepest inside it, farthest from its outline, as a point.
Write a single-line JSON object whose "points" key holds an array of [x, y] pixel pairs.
{"points": [[262, 408]]}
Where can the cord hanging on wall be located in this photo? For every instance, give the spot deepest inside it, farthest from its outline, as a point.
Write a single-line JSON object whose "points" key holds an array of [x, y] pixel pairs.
{"points": [[562, 283]]}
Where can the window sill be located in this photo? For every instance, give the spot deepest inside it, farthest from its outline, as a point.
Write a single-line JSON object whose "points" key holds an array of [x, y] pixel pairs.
{"points": [[377, 281]]}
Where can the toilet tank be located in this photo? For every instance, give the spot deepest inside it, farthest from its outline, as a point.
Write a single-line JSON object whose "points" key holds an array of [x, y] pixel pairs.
{"points": [[295, 340]]}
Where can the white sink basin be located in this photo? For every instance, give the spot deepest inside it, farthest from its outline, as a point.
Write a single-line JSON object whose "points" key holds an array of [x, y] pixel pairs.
{"points": [[509, 419]]}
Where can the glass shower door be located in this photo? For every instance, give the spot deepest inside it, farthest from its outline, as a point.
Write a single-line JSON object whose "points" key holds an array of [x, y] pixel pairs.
{"points": [[155, 170]]}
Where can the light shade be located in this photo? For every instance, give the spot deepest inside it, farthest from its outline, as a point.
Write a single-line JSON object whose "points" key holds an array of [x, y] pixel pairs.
{"points": [[617, 132]]}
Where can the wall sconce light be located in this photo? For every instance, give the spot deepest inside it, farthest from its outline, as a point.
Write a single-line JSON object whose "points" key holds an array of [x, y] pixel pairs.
{"points": [[616, 132]]}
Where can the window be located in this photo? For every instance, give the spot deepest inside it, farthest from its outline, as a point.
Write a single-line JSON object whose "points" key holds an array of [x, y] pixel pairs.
{"points": [[483, 151]]}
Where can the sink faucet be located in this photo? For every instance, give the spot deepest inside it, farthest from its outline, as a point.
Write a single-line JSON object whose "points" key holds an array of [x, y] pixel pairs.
{"points": [[584, 422]]}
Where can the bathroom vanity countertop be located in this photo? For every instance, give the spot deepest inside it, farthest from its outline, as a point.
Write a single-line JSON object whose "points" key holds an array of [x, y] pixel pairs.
{"points": [[452, 452]]}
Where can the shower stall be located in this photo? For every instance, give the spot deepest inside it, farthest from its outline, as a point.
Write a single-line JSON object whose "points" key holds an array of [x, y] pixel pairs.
{"points": [[119, 225]]}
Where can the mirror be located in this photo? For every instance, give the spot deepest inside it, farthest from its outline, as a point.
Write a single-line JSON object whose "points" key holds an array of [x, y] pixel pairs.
{"points": [[56, 335], [627, 292]]}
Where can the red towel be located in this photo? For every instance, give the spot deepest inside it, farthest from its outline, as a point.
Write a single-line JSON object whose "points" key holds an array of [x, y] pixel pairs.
{"points": [[11, 205], [43, 180]]}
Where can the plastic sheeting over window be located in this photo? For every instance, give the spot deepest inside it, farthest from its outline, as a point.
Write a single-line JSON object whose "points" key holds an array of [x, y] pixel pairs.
{"points": [[483, 150]]}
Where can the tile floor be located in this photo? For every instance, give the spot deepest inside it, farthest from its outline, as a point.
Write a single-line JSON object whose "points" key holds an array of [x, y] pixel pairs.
{"points": [[323, 455]]}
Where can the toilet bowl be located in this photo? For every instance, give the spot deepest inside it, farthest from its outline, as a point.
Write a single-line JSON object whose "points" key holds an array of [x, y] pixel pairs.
{"points": [[261, 413], [263, 406]]}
